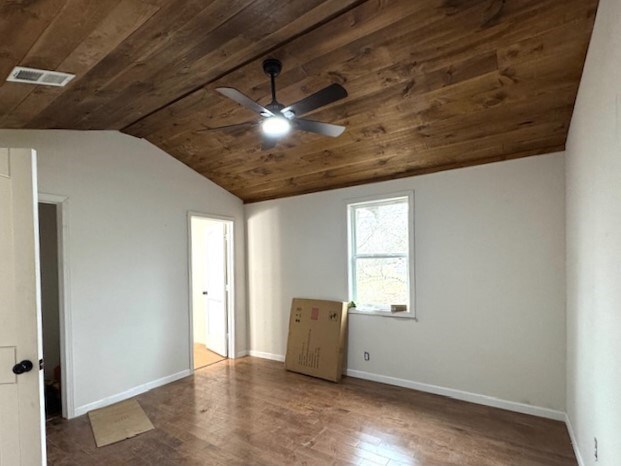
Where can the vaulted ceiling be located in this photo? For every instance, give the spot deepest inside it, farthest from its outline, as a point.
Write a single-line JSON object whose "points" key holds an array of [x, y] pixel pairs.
{"points": [[433, 84]]}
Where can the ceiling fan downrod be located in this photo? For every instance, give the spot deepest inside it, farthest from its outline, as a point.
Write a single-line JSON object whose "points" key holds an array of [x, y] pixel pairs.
{"points": [[272, 67]]}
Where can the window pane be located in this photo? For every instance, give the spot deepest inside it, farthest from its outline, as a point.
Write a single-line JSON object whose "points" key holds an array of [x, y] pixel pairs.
{"points": [[381, 281], [381, 228]]}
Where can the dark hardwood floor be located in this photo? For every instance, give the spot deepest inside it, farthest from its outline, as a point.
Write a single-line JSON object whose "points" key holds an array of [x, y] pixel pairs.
{"points": [[250, 411]]}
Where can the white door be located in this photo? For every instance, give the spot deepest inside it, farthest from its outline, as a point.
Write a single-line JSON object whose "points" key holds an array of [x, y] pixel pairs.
{"points": [[22, 439], [216, 288]]}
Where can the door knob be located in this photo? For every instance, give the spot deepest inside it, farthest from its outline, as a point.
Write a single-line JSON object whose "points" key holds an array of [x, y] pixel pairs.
{"points": [[24, 366], [205, 293]]}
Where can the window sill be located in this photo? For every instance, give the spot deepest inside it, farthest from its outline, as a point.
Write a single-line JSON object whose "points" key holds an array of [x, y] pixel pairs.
{"points": [[397, 315]]}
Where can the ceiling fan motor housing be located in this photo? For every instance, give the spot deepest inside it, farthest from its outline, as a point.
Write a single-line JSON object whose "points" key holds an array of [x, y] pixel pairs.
{"points": [[276, 107]]}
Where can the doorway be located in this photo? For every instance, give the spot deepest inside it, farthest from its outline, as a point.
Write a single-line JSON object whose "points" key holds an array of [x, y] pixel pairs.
{"points": [[211, 289], [55, 312], [50, 308]]}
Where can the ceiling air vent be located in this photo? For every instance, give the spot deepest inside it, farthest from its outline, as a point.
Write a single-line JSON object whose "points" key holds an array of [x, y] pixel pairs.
{"points": [[41, 77]]}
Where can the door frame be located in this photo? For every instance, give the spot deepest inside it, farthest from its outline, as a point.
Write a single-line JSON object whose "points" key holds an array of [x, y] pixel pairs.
{"points": [[230, 293], [64, 308]]}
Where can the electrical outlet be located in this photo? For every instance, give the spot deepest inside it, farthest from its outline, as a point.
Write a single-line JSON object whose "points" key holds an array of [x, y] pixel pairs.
{"points": [[366, 356], [595, 452]]}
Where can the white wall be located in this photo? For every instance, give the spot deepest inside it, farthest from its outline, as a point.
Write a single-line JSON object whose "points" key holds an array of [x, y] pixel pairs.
{"points": [[594, 246], [490, 279], [128, 251], [48, 251]]}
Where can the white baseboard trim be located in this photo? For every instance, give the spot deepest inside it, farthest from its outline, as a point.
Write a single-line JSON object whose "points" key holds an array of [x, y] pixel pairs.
{"points": [[272, 356], [461, 395], [574, 442], [241, 354], [444, 391], [79, 411]]}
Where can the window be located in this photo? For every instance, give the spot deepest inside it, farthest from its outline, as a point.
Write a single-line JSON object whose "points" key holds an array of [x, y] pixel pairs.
{"points": [[380, 243]]}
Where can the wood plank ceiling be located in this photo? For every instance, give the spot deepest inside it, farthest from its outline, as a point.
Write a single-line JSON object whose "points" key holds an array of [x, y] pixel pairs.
{"points": [[433, 84]]}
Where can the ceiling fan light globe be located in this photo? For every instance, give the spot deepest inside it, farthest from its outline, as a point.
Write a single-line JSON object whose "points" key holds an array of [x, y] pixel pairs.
{"points": [[275, 126]]}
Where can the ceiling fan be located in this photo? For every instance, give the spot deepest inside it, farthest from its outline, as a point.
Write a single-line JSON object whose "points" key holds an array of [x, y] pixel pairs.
{"points": [[278, 120]]}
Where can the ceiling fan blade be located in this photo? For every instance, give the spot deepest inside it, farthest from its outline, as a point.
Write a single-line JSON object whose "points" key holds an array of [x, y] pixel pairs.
{"points": [[243, 100], [268, 143], [325, 129], [246, 124], [326, 96]]}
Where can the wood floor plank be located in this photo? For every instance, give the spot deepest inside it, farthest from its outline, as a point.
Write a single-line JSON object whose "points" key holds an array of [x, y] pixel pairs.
{"points": [[251, 411]]}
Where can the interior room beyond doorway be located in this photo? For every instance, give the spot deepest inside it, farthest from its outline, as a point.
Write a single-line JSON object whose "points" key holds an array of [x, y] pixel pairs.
{"points": [[211, 289], [50, 308]]}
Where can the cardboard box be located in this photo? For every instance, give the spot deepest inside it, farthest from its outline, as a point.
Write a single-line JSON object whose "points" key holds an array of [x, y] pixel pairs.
{"points": [[317, 338]]}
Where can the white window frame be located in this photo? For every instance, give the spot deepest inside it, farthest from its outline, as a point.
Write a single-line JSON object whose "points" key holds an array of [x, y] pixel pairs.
{"points": [[351, 257]]}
